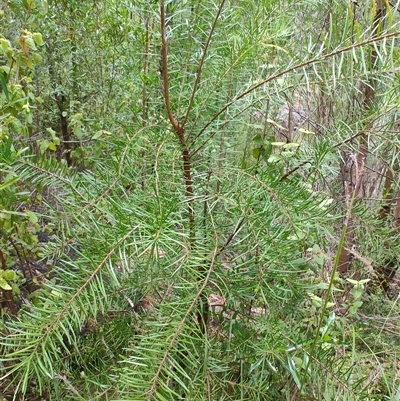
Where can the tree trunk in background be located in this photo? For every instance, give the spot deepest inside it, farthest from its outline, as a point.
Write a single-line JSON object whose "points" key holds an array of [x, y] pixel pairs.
{"points": [[389, 214], [354, 163]]}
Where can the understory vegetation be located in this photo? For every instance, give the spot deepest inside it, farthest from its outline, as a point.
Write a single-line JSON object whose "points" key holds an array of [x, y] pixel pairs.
{"points": [[199, 200]]}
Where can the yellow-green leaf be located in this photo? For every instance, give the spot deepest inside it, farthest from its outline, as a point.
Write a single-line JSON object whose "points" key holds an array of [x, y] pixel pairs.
{"points": [[9, 275], [37, 37], [4, 285], [256, 153]]}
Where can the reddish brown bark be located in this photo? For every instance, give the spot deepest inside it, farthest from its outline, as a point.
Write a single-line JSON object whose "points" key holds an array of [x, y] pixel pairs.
{"points": [[354, 165], [390, 212]]}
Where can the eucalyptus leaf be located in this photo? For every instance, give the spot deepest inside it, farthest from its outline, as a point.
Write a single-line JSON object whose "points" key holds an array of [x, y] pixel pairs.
{"points": [[4, 285], [8, 275], [37, 37], [256, 153]]}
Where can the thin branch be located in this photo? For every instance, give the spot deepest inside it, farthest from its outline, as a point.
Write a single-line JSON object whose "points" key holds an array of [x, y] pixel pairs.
{"points": [[200, 68], [164, 72], [69, 385], [181, 326], [51, 327], [293, 170], [217, 251], [287, 71], [231, 236], [95, 202]]}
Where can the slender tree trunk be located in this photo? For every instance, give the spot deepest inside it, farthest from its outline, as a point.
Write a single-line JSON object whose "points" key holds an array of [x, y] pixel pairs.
{"points": [[65, 130], [389, 213], [144, 91], [186, 152], [354, 168]]}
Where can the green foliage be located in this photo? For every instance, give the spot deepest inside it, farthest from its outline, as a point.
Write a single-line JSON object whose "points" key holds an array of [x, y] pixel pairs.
{"points": [[18, 226], [207, 277], [7, 277]]}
